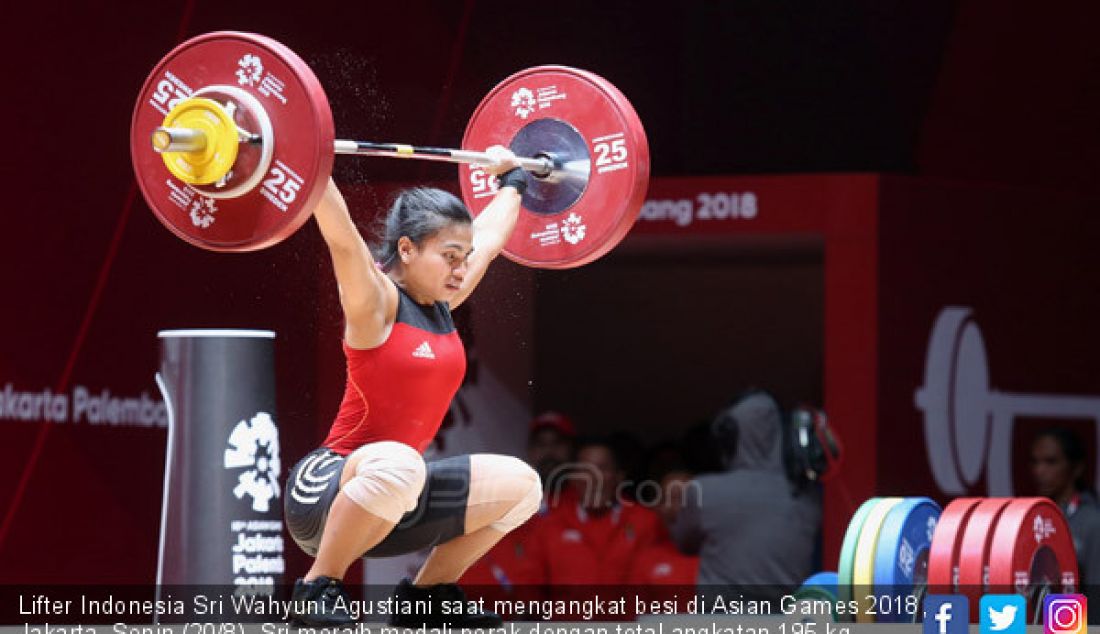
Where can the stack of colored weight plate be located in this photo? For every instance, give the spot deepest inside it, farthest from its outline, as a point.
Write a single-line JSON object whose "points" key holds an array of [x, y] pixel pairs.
{"points": [[897, 548], [885, 555]]}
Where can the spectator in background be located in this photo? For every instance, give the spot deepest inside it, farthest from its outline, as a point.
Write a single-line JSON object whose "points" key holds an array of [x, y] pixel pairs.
{"points": [[1058, 468], [596, 540], [630, 453], [504, 571], [662, 458], [661, 572], [550, 448], [754, 529], [701, 453]]}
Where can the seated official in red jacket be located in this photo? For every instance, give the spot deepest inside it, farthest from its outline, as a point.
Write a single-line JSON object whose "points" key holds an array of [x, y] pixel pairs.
{"points": [[596, 541], [661, 573]]}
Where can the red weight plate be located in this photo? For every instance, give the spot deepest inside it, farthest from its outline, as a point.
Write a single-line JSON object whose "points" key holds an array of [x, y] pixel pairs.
{"points": [[301, 122], [974, 550], [943, 557], [585, 122], [1032, 549]]}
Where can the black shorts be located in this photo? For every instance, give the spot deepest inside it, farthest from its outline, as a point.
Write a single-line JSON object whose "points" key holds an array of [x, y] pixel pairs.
{"points": [[439, 516]]}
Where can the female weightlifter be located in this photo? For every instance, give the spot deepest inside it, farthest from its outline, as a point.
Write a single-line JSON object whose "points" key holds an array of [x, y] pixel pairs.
{"points": [[367, 491]]}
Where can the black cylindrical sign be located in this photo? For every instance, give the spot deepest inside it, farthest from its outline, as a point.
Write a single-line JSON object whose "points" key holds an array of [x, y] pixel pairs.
{"points": [[221, 519]]}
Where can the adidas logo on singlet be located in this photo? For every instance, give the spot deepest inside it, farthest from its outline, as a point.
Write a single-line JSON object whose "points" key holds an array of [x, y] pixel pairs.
{"points": [[424, 351]]}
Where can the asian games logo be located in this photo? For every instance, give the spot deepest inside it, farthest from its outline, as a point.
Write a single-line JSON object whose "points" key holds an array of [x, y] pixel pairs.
{"points": [[254, 447]]}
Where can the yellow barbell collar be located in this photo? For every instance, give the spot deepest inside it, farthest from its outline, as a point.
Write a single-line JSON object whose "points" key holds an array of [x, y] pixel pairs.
{"points": [[215, 125]]}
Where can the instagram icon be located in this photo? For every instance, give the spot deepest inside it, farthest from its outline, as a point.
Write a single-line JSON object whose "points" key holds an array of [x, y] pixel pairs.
{"points": [[1065, 614]]}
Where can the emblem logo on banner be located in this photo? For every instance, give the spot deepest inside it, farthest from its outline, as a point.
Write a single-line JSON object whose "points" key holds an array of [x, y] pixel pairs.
{"points": [[254, 447]]}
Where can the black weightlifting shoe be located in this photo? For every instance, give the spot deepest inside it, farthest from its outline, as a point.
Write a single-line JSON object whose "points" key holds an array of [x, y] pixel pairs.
{"points": [[435, 596], [320, 603]]}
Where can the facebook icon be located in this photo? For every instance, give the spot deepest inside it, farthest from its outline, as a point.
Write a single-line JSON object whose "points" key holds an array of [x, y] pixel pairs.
{"points": [[946, 614]]}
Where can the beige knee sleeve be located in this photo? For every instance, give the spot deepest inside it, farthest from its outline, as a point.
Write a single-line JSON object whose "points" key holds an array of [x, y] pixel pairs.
{"points": [[504, 479], [388, 479]]}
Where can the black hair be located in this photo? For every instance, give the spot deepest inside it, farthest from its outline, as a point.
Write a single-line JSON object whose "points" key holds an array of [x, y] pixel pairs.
{"points": [[725, 431], [1074, 451], [701, 453], [418, 213], [672, 467], [723, 427], [608, 443]]}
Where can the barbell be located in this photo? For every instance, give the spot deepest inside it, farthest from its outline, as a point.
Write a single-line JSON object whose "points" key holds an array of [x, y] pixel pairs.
{"points": [[232, 141]]}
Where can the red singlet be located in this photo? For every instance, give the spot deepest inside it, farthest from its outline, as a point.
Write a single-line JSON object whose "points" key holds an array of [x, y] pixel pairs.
{"points": [[401, 389]]}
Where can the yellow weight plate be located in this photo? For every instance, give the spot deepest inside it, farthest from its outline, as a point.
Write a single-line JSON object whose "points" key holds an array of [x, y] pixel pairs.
{"points": [[210, 164], [863, 570], [848, 553]]}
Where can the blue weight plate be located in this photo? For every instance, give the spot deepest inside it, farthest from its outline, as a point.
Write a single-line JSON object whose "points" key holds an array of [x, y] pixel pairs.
{"points": [[901, 554], [820, 584]]}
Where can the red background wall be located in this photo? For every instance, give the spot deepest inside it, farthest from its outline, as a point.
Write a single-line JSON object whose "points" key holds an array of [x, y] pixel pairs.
{"points": [[974, 91]]}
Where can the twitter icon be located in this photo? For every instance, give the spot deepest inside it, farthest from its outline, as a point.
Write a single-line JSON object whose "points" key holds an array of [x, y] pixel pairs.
{"points": [[1003, 614]]}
